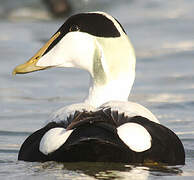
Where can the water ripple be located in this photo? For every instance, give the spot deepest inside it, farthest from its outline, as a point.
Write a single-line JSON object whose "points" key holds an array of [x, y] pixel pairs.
{"points": [[9, 151], [14, 133]]}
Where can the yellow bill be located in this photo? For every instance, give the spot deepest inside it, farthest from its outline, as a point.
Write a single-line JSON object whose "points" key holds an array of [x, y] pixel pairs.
{"points": [[30, 65]]}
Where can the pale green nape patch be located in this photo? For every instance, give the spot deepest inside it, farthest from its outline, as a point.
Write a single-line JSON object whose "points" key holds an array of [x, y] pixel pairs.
{"points": [[98, 70], [119, 56], [113, 70]]}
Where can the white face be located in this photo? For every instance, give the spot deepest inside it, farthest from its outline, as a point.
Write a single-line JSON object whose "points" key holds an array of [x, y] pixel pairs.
{"points": [[75, 49]]}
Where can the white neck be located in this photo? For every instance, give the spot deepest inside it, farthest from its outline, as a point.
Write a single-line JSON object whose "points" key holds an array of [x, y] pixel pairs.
{"points": [[113, 71], [115, 90]]}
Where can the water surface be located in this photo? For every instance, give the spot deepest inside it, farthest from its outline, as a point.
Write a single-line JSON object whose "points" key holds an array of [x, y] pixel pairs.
{"points": [[163, 37]]}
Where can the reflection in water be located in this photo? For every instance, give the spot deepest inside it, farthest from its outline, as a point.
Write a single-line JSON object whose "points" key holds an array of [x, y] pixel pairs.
{"points": [[86, 170]]}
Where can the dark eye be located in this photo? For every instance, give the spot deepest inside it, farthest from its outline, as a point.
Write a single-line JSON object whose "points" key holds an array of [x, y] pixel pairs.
{"points": [[74, 28]]}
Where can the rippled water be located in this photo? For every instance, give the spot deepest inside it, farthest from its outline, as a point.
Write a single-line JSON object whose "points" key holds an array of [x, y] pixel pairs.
{"points": [[163, 37]]}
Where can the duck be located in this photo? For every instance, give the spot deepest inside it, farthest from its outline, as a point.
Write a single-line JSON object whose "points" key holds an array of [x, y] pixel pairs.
{"points": [[105, 127]]}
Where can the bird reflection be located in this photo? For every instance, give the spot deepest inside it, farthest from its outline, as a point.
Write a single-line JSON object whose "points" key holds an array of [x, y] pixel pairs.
{"points": [[103, 170]]}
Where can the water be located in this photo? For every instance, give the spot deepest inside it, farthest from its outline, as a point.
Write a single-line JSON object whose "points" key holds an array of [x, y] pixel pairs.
{"points": [[163, 37]]}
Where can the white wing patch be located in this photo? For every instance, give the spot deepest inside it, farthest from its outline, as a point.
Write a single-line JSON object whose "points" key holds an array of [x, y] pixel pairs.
{"points": [[135, 136], [53, 139], [63, 113]]}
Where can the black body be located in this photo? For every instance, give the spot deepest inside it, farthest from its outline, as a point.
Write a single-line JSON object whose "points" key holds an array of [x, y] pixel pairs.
{"points": [[95, 139]]}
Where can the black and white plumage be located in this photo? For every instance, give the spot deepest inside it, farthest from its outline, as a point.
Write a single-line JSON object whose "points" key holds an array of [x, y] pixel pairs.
{"points": [[106, 127], [95, 136]]}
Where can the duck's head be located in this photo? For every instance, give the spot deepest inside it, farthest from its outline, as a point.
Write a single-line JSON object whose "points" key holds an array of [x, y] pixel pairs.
{"points": [[92, 41]]}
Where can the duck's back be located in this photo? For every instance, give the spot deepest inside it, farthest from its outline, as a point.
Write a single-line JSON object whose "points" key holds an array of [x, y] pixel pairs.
{"points": [[103, 136]]}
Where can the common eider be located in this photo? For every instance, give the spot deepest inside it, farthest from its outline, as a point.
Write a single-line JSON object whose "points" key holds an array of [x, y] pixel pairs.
{"points": [[106, 127]]}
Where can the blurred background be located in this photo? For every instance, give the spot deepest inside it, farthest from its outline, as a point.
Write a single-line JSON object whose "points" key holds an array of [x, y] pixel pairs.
{"points": [[162, 33]]}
